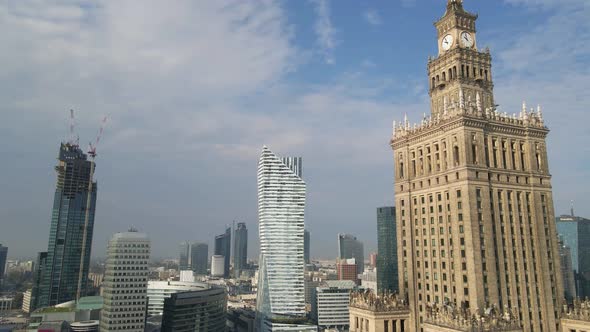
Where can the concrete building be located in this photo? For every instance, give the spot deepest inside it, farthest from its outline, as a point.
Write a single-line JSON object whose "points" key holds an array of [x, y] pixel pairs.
{"points": [[202, 310], [350, 247], [575, 232], [85, 326], [387, 272], [240, 249], [27, 301], [158, 291], [373, 259], [6, 303], [370, 312], [346, 269], [281, 208], [223, 248], [63, 274], [329, 307], [86, 309], [199, 257], [369, 279], [473, 193], [217, 266], [125, 283]]}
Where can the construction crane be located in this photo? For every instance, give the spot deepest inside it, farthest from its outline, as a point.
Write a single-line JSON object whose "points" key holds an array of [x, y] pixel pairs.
{"points": [[92, 154]]}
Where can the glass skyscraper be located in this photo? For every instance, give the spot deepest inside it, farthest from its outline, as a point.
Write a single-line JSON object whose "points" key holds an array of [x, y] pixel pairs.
{"points": [[3, 254], [575, 232], [350, 247], [387, 278], [73, 205], [199, 257], [281, 209], [184, 255], [223, 248], [240, 249]]}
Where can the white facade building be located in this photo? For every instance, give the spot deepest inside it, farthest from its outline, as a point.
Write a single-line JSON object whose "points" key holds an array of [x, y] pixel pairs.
{"points": [[158, 291], [330, 304], [125, 283], [27, 301], [369, 279], [281, 208], [217, 266]]}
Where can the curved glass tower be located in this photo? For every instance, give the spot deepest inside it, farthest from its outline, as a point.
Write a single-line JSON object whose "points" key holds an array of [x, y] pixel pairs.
{"points": [[281, 208]]}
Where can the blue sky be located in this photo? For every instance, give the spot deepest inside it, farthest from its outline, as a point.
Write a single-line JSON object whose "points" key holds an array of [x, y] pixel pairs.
{"points": [[194, 89]]}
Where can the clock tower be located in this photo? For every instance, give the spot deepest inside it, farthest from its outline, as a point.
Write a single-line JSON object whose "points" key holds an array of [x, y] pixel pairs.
{"points": [[460, 72], [476, 235]]}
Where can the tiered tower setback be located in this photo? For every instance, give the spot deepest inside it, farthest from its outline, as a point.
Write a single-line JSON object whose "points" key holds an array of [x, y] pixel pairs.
{"points": [[473, 193]]}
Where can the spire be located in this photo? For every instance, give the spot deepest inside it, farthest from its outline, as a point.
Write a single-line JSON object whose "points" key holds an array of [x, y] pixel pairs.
{"points": [[478, 102], [453, 5], [539, 112], [572, 209], [393, 128], [461, 98]]}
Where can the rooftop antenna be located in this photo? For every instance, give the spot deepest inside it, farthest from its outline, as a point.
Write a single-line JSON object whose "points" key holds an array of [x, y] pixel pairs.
{"points": [[92, 154], [572, 208]]}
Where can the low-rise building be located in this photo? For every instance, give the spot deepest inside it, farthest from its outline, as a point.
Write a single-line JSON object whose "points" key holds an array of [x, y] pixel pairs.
{"points": [[329, 307], [6, 303], [370, 312], [347, 269], [158, 291]]}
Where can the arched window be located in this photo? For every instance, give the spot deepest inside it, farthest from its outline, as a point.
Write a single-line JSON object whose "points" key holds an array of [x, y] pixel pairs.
{"points": [[486, 75], [401, 170], [450, 74], [462, 70], [456, 155], [467, 70], [455, 72], [444, 76], [433, 82]]}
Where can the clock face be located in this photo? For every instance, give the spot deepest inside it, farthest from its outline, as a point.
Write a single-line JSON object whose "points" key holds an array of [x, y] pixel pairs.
{"points": [[447, 42], [466, 39]]}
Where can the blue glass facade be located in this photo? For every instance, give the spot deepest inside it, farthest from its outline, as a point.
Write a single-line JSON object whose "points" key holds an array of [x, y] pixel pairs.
{"points": [[387, 272], [575, 232], [223, 248], [74, 201]]}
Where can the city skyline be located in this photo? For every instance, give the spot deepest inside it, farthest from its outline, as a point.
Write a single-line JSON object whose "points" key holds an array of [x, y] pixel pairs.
{"points": [[128, 159]]}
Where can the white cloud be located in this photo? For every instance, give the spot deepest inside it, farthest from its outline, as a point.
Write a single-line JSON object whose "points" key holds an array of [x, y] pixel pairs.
{"points": [[372, 17], [325, 31]]}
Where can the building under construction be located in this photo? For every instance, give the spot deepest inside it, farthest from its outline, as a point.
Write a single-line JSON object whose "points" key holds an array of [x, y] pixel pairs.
{"points": [[62, 274]]}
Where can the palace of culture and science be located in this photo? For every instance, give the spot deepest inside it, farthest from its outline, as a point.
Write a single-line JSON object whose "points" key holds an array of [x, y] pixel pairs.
{"points": [[475, 219]]}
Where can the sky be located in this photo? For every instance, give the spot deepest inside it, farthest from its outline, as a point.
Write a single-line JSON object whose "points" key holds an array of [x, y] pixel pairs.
{"points": [[194, 89]]}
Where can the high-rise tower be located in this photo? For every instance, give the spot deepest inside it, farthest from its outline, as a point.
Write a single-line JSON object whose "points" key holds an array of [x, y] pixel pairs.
{"points": [[125, 283], [350, 247], [199, 257], [184, 255], [3, 254], [281, 208], [73, 205], [240, 249], [223, 248], [387, 271], [473, 193]]}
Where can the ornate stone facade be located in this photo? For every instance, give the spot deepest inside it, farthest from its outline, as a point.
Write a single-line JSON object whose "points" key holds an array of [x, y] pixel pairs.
{"points": [[385, 312], [473, 194], [450, 318], [576, 318]]}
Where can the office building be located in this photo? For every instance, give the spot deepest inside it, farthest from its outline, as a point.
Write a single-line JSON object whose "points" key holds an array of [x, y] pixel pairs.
{"points": [[125, 283], [567, 272], [223, 248], [369, 279], [202, 310], [473, 193], [306, 246], [184, 255], [373, 259], [350, 247], [372, 312], [329, 308], [346, 269], [158, 291], [64, 274], [37, 278], [199, 257], [575, 232], [240, 249], [217, 266], [281, 209], [387, 274], [3, 255]]}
